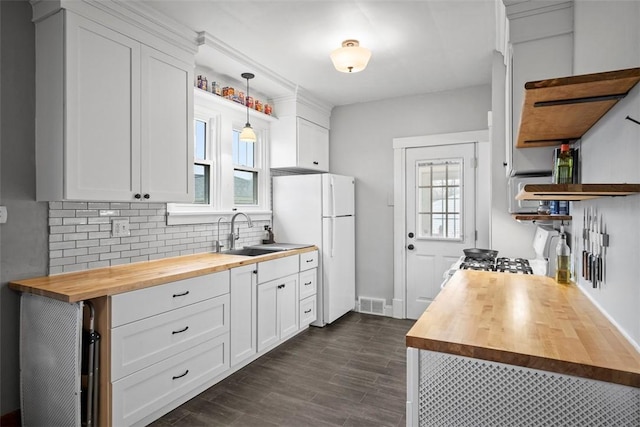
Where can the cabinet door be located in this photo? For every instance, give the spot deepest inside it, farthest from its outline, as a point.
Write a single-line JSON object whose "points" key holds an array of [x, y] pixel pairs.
{"points": [[243, 313], [288, 306], [313, 146], [102, 155], [268, 326], [167, 128]]}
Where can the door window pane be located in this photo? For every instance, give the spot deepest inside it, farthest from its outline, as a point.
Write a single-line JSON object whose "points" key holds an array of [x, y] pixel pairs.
{"points": [[439, 198]]}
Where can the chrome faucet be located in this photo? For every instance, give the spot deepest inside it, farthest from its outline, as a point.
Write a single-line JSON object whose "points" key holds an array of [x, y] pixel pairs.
{"points": [[217, 246], [233, 236]]}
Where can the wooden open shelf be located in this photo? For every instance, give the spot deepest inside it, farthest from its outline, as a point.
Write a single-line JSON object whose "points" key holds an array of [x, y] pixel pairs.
{"points": [[575, 191], [536, 217], [564, 109]]}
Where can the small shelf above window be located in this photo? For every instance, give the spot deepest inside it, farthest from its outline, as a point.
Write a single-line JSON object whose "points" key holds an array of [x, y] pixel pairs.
{"points": [[564, 109], [575, 192]]}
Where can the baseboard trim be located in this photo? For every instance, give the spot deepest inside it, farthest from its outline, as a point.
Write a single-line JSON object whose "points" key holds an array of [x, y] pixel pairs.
{"points": [[11, 419]]}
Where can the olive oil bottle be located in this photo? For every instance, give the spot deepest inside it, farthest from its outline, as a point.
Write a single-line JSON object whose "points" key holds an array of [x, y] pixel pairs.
{"points": [[563, 260]]}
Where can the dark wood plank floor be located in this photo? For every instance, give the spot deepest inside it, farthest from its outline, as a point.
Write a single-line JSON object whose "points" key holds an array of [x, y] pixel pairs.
{"points": [[350, 373]]}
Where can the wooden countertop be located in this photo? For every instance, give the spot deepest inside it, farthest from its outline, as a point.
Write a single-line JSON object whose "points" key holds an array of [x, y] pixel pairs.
{"points": [[88, 284], [528, 321]]}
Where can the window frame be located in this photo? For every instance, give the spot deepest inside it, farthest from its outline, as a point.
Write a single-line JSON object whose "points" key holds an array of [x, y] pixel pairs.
{"points": [[222, 117]]}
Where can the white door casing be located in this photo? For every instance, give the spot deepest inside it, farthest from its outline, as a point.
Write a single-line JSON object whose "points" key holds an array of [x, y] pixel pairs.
{"points": [[439, 179], [401, 146]]}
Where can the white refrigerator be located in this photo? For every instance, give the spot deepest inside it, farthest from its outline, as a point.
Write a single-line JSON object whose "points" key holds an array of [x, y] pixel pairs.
{"points": [[319, 209]]}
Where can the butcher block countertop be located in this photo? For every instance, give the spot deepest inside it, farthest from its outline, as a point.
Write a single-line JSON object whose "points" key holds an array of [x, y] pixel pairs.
{"points": [[88, 284], [528, 321]]}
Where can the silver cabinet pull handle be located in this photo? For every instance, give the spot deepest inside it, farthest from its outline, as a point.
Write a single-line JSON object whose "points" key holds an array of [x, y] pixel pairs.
{"points": [[180, 376], [180, 331], [181, 295]]}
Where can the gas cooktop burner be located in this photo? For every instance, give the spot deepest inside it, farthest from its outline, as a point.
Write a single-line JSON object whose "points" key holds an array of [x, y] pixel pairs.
{"points": [[503, 265], [513, 265], [478, 264]]}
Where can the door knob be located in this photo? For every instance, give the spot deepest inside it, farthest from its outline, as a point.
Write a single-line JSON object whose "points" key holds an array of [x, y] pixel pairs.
{"points": [[411, 247], [411, 235]]}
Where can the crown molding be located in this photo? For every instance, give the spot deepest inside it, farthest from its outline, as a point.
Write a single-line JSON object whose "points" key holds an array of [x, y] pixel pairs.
{"points": [[131, 12], [516, 9], [206, 39], [289, 91]]}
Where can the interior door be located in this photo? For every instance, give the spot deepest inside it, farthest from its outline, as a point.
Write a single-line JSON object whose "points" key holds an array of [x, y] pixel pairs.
{"points": [[440, 222]]}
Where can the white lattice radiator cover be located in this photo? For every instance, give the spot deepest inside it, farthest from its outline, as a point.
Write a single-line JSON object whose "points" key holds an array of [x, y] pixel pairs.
{"points": [[461, 391], [50, 339]]}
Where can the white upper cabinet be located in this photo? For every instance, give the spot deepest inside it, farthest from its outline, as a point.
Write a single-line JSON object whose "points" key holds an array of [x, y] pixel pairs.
{"points": [[541, 47], [300, 137], [113, 115], [297, 143]]}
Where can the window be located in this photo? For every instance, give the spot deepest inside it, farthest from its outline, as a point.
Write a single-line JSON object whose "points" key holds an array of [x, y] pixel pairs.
{"points": [[245, 175], [229, 175], [203, 164], [439, 199]]}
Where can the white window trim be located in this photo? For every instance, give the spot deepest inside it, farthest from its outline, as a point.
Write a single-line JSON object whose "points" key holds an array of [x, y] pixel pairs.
{"points": [[225, 116]]}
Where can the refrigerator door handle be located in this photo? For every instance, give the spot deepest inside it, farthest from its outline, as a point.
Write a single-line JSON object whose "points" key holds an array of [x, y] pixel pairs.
{"points": [[333, 198], [333, 235]]}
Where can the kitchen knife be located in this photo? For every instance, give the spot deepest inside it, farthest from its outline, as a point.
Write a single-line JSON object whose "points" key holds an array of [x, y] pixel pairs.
{"points": [[592, 257], [604, 253], [600, 250], [596, 255], [585, 243]]}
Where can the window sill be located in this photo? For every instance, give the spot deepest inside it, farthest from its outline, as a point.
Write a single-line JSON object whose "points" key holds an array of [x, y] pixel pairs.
{"points": [[184, 218]]}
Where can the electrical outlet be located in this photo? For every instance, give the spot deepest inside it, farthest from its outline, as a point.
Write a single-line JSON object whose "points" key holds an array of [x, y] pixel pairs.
{"points": [[120, 227], [3, 214]]}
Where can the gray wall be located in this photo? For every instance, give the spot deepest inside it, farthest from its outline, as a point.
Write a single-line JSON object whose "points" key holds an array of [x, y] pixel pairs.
{"points": [[509, 237], [607, 37], [24, 236], [361, 145]]}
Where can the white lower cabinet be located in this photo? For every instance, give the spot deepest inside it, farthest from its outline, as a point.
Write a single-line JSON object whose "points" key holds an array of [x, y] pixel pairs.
{"points": [[277, 310], [149, 390], [243, 313], [166, 341], [308, 288], [139, 344], [307, 311], [170, 342]]}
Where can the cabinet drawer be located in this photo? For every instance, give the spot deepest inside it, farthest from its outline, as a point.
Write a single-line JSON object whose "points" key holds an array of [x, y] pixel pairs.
{"points": [[308, 283], [308, 260], [276, 268], [307, 311], [136, 305], [137, 345], [141, 394]]}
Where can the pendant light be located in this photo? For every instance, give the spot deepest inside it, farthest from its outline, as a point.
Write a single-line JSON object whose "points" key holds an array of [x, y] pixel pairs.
{"points": [[247, 134], [350, 58]]}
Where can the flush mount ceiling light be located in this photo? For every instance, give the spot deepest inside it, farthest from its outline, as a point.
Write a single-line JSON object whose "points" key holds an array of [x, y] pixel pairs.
{"points": [[350, 58], [247, 134]]}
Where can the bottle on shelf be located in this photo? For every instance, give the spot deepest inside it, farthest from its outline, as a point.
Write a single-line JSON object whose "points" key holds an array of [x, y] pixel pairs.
{"points": [[563, 174], [563, 260], [564, 166]]}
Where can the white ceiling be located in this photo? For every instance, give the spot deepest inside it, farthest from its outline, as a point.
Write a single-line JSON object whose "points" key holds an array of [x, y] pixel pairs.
{"points": [[418, 46]]}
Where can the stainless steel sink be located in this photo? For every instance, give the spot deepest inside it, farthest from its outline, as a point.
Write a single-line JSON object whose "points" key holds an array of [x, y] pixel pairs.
{"points": [[250, 251]]}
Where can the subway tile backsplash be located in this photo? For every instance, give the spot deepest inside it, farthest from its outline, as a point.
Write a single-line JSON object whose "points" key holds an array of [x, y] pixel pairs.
{"points": [[80, 235]]}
